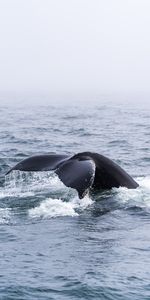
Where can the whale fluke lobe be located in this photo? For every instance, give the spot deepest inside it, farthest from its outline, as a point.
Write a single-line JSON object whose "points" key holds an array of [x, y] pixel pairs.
{"points": [[77, 174], [83, 171], [35, 163]]}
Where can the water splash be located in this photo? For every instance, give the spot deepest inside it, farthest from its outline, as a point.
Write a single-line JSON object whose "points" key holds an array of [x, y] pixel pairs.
{"points": [[50, 208], [139, 197], [54, 197], [51, 198], [22, 184]]}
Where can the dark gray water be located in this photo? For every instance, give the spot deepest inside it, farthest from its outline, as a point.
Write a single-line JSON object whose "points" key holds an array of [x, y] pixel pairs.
{"points": [[55, 246]]}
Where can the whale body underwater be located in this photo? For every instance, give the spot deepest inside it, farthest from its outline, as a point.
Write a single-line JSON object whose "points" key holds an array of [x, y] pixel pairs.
{"points": [[84, 171]]}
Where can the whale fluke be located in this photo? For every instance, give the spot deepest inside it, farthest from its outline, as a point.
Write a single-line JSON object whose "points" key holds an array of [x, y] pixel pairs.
{"points": [[77, 174], [47, 162], [83, 171]]}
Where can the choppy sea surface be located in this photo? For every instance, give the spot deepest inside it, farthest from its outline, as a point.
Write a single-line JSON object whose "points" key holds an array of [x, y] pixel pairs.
{"points": [[54, 245]]}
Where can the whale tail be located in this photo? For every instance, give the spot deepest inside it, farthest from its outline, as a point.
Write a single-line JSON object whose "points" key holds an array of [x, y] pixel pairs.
{"points": [[82, 171]]}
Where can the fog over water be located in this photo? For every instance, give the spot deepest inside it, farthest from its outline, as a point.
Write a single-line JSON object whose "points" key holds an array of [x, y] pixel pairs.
{"points": [[74, 49]]}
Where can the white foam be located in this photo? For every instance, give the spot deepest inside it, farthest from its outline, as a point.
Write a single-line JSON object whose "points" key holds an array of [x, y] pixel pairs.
{"points": [[144, 182], [81, 203], [139, 196], [51, 208]]}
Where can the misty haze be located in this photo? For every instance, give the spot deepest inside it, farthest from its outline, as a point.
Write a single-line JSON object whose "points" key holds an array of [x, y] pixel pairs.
{"points": [[74, 149], [80, 49]]}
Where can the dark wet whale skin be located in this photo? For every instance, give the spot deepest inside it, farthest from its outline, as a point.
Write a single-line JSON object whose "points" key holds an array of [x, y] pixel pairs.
{"points": [[108, 174]]}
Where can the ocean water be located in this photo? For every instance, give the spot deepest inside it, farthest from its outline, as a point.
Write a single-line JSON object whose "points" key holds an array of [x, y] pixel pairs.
{"points": [[54, 245]]}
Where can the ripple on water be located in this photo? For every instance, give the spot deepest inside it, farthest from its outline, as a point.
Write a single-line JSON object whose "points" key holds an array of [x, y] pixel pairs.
{"points": [[54, 245], [5, 215]]}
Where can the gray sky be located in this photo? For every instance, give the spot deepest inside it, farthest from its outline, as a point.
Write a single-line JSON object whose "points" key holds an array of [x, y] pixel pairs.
{"points": [[75, 46]]}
